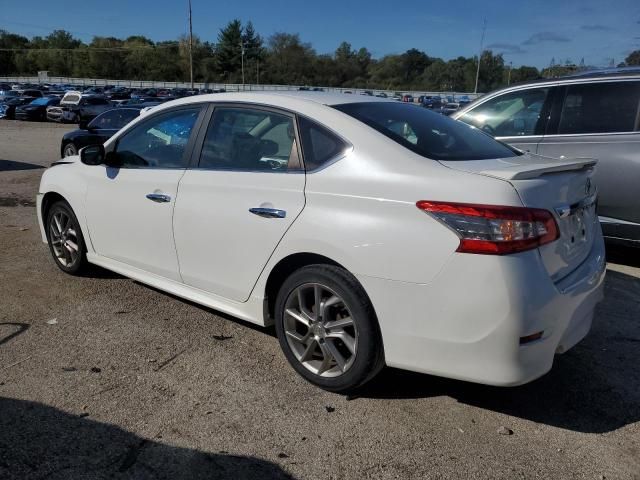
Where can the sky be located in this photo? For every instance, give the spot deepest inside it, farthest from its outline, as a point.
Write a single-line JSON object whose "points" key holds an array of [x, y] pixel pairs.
{"points": [[530, 32]]}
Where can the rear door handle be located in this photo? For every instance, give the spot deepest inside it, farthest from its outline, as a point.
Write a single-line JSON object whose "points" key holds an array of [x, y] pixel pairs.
{"points": [[159, 197], [268, 212]]}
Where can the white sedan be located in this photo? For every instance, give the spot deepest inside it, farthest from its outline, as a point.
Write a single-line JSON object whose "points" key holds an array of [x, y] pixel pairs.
{"points": [[369, 231]]}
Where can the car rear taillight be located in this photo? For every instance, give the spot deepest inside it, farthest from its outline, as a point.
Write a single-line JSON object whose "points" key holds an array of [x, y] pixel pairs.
{"points": [[493, 229]]}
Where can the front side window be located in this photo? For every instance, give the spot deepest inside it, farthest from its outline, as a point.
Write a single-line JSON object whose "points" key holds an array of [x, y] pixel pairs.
{"points": [[249, 139], [159, 142], [426, 133], [511, 115], [600, 108]]}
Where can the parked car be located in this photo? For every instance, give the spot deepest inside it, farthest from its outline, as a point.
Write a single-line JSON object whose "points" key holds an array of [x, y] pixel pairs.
{"points": [[449, 108], [8, 94], [31, 93], [407, 98], [588, 115], [118, 93], [381, 95], [8, 106], [75, 107], [36, 109], [436, 249], [433, 102], [98, 131]]}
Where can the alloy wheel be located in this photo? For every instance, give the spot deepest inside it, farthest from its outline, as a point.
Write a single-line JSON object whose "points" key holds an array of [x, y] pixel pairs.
{"points": [[320, 330], [64, 239]]}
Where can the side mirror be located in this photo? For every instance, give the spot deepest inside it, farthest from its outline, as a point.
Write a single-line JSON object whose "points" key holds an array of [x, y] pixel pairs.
{"points": [[83, 125], [92, 155]]}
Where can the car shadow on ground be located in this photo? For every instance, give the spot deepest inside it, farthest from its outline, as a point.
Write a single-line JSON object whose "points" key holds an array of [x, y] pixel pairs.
{"points": [[593, 388], [623, 255], [38, 441], [10, 165]]}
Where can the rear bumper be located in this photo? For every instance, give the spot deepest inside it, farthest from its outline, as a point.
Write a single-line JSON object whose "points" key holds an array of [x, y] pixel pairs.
{"points": [[467, 324]]}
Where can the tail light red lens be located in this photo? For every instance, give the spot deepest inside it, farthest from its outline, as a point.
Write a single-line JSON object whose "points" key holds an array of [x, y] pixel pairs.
{"points": [[493, 229]]}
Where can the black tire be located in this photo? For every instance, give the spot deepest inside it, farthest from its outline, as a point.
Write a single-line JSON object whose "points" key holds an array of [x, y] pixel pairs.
{"points": [[62, 255], [69, 150], [368, 358]]}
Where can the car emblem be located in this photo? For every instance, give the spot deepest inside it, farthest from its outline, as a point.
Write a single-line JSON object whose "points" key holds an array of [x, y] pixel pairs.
{"points": [[587, 186]]}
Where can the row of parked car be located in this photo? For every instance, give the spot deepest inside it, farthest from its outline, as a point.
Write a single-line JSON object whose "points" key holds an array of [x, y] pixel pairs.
{"points": [[69, 103]]}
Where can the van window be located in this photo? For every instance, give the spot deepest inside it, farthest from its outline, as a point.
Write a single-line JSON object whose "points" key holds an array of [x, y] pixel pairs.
{"points": [[600, 108], [510, 115]]}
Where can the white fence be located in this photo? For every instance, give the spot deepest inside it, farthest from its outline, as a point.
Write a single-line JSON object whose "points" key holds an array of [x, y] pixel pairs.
{"points": [[229, 87]]}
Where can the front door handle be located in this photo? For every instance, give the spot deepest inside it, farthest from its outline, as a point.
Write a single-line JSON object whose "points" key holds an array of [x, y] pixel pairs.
{"points": [[268, 212], [159, 197]]}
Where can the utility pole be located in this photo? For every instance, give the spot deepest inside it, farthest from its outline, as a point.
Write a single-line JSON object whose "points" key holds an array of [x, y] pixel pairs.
{"points": [[257, 71], [509, 77], [484, 28], [190, 46]]}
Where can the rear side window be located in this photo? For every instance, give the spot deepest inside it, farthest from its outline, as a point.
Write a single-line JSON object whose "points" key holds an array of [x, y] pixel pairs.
{"points": [[319, 145], [426, 133], [510, 115], [600, 108], [247, 139]]}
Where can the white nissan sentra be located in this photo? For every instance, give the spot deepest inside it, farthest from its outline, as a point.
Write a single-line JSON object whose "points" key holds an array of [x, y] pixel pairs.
{"points": [[369, 231]]}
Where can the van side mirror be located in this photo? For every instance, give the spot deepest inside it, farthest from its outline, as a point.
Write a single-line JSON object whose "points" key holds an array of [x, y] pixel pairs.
{"points": [[92, 155]]}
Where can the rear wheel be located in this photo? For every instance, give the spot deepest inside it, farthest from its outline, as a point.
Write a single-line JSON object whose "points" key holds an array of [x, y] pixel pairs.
{"points": [[69, 150], [65, 239], [327, 328]]}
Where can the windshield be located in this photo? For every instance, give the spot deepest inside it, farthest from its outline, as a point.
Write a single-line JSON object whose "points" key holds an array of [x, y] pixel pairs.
{"points": [[40, 101], [427, 133]]}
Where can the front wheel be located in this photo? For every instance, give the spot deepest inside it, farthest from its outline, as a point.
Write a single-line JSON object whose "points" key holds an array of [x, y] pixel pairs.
{"points": [[69, 150], [65, 239], [327, 328]]}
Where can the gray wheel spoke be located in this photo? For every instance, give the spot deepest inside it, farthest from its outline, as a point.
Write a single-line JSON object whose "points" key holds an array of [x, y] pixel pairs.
{"points": [[308, 352], [333, 300], [298, 337], [326, 360], [58, 225], [317, 301], [71, 231], [335, 354], [298, 316], [340, 323], [347, 339], [71, 246]]}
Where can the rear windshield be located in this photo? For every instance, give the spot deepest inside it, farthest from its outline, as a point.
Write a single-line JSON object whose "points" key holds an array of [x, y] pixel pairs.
{"points": [[427, 133]]}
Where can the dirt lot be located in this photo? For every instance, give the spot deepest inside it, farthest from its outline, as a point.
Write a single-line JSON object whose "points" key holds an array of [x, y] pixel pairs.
{"points": [[103, 377]]}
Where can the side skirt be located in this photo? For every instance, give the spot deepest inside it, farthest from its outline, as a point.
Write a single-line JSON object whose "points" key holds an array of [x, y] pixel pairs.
{"points": [[250, 311]]}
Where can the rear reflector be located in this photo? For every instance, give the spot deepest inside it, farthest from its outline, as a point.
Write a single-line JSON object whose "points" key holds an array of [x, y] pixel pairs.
{"points": [[493, 229]]}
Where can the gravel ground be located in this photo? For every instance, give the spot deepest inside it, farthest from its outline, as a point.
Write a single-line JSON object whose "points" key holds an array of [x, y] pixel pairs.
{"points": [[103, 377]]}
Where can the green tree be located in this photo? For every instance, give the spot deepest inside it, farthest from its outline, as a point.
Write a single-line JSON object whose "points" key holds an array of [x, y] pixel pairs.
{"points": [[289, 61], [633, 58], [229, 52]]}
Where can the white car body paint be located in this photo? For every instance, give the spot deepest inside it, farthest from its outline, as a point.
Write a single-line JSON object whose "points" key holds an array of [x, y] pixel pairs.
{"points": [[452, 314]]}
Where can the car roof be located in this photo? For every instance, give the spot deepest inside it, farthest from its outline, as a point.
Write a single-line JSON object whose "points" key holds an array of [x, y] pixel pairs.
{"points": [[285, 98]]}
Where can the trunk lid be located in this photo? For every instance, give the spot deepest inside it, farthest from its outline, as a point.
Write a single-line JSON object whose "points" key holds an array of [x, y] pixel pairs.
{"points": [[565, 187]]}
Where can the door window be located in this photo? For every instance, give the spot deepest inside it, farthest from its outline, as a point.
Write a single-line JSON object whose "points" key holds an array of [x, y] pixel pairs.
{"points": [[510, 115], [249, 139], [159, 142], [600, 108]]}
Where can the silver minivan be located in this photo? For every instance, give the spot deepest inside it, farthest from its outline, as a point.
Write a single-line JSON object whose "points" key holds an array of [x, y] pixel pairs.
{"points": [[593, 115]]}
